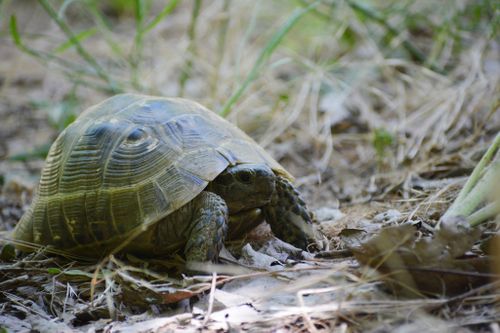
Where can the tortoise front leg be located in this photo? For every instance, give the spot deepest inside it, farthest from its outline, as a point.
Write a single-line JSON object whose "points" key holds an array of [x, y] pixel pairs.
{"points": [[242, 223], [288, 216], [207, 229]]}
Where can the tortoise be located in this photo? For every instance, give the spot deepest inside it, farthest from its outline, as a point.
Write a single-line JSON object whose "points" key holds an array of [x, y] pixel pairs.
{"points": [[154, 175]]}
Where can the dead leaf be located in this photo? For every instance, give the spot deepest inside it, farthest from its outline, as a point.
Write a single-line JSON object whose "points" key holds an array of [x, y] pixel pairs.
{"points": [[414, 267], [176, 296], [353, 237]]}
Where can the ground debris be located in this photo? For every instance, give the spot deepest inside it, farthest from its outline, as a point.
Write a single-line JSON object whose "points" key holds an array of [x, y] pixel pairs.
{"points": [[415, 266], [375, 137]]}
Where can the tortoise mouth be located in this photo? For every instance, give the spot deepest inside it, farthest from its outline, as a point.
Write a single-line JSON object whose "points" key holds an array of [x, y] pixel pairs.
{"points": [[256, 200], [246, 212]]}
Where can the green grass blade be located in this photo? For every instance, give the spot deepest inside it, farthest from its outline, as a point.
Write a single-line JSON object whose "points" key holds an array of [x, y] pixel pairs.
{"points": [[65, 5], [169, 8], [81, 36], [265, 54], [478, 185], [15, 33], [139, 13], [74, 72], [370, 13], [139, 10], [79, 48], [221, 47], [105, 30], [188, 65], [69, 68], [136, 56]]}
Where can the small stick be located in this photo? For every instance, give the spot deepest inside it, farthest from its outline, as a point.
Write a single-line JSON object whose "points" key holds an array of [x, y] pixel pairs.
{"points": [[211, 298]]}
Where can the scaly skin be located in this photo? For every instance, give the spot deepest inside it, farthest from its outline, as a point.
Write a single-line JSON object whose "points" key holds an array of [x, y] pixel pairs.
{"points": [[208, 228], [242, 223], [232, 205], [288, 216], [198, 229]]}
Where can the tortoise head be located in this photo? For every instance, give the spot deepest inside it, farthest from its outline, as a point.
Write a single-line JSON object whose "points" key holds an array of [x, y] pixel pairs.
{"points": [[245, 186]]}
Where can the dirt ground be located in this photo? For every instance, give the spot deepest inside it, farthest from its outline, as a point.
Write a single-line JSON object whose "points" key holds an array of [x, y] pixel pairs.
{"points": [[380, 110]]}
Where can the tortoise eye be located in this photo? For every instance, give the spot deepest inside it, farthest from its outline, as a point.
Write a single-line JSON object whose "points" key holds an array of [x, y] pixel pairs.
{"points": [[244, 177], [136, 135]]}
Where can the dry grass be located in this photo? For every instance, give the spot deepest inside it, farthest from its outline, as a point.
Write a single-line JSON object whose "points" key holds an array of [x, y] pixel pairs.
{"points": [[341, 100]]}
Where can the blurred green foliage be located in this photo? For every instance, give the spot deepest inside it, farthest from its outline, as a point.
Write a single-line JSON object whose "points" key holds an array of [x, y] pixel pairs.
{"points": [[60, 115], [316, 35], [424, 30], [53, 271], [117, 7], [7, 253], [382, 139]]}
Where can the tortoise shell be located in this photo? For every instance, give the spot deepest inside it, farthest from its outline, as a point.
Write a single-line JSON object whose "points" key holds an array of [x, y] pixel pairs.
{"points": [[125, 164]]}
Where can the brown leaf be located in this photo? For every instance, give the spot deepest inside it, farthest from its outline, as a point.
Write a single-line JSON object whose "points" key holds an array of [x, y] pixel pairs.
{"points": [[353, 237], [176, 296], [428, 266]]}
